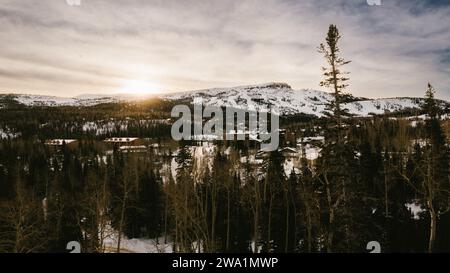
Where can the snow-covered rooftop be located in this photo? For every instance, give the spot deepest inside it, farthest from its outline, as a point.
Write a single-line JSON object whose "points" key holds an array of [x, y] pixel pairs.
{"points": [[120, 139], [59, 142]]}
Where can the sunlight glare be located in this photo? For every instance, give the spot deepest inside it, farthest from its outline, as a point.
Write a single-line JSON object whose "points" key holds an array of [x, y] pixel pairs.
{"points": [[140, 87]]}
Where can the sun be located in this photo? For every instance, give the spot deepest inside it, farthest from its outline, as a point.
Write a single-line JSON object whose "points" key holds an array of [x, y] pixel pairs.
{"points": [[139, 87]]}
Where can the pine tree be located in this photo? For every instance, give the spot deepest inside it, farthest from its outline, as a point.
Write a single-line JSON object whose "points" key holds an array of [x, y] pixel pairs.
{"points": [[334, 77], [273, 204], [436, 182], [182, 201], [309, 206], [430, 106], [336, 164]]}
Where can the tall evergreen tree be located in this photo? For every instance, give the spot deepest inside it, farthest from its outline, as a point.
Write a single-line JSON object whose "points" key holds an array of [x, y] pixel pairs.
{"points": [[334, 76], [436, 185]]}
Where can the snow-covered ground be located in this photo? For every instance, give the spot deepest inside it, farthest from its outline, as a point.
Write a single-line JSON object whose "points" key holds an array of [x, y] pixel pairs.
{"points": [[288, 167], [201, 156], [6, 133], [416, 209], [380, 106], [137, 245]]}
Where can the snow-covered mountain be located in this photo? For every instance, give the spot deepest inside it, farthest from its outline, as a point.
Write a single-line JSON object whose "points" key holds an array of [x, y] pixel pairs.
{"points": [[81, 100], [279, 95], [290, 101]]}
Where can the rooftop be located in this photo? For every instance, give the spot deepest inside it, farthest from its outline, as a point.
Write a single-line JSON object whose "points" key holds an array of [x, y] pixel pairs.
{"points": [[58, 142], [121, 139]]}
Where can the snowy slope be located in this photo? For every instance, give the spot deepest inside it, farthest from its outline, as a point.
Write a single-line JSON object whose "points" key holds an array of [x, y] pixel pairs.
{"points": [[379, 106], [278, 95], [82, 100], [289, 101]]}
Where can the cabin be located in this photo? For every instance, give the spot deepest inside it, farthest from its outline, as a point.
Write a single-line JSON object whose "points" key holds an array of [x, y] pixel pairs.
{"points": [[291, 155], [289, 152], [141, 149], [57, 144], [244, 138], [314, 141], [122, 141]]}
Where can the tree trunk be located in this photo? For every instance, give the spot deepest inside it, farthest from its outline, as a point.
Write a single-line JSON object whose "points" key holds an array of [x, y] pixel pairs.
{"points": [[256, 217], [213, 216], [386, 198], [227, 247], [309, 229], [165, 219], [330, 233], [121, 223], [433, 223], [269, 225], [286, 243]]}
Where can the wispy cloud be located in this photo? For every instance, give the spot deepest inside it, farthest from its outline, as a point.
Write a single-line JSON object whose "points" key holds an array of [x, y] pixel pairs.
{"points": [[53, 48]]}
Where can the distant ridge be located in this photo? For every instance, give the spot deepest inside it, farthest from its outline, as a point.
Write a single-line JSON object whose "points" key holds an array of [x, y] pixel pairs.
{"points": [[274, 94]]}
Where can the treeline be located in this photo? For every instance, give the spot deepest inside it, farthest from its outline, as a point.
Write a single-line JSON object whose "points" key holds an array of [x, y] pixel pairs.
{"points": [[71, 121]]}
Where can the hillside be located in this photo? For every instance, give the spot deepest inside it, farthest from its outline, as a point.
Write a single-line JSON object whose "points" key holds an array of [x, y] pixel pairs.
{"points": [[290, 101], [278, 95]]}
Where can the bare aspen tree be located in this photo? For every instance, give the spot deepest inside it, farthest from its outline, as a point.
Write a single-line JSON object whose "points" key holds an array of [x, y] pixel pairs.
{"points": [[23, 228]]}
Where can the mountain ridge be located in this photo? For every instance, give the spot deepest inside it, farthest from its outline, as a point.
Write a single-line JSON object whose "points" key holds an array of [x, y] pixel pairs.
{"points": [[273, 94], [290, 101]]}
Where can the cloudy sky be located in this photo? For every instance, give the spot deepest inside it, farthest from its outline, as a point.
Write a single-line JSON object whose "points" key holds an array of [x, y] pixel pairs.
{"points": [[118, 46]]}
